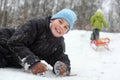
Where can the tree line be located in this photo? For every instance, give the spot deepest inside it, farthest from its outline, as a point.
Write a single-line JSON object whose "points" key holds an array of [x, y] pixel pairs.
{"points": [[15, 12]]}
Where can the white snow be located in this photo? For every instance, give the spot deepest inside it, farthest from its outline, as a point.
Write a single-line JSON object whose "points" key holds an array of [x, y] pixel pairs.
{"points": [[87, 63]]}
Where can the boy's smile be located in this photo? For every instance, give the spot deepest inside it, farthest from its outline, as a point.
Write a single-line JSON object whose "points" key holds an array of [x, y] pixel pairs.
{"points": [[59, 27]]}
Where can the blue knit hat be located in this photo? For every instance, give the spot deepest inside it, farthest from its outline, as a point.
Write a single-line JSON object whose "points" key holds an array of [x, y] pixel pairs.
{"points": [[67, 15]]}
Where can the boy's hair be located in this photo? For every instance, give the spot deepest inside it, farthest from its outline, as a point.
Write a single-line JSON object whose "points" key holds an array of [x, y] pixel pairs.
{"points": [[67, 15]]}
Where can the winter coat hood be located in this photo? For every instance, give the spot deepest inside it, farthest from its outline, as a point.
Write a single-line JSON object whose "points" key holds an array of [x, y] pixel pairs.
{"points": [[98, 14]]}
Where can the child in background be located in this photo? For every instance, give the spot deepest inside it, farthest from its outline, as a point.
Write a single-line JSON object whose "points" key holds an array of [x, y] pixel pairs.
{"points": [[97, 21]]}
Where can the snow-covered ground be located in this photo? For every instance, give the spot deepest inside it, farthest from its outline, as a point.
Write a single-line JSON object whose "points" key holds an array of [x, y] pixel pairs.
{"points": [[87, 63]]}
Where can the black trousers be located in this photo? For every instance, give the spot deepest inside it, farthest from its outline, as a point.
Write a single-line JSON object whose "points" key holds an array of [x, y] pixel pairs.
{"points": [[95, 34], [7, 60]]}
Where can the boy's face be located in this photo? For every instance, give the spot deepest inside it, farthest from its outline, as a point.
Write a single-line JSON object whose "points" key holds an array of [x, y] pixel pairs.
{"points": [[59, 27]]}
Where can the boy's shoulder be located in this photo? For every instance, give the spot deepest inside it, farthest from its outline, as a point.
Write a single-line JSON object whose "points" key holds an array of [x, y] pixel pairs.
{"points": [[43, 21], [62, 38], [41, 18], [8, 30]]}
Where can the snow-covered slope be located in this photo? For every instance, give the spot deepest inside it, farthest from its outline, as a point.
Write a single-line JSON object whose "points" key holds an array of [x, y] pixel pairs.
{"points": [[87, 63]]}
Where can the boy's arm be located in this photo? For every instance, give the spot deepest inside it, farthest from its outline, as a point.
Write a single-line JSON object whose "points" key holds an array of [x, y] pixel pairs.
{"points": [[58, 60], [60, 63], [23, 37], [105, 23]]}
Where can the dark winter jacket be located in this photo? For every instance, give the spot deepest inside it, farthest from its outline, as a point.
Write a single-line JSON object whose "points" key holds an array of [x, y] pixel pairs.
{"points": [[32, 42]]}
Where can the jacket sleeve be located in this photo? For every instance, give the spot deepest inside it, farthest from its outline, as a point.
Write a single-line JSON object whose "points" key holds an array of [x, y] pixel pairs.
{"points": [[59, 55], [105, 23], [20, 41], [92, 20]]}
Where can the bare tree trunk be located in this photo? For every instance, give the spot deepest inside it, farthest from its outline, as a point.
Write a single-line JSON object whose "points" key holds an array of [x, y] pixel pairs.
{"points": [[37, 7], [4, 14], [25, 12], [1, 2], [55, 6], [1, 5]]}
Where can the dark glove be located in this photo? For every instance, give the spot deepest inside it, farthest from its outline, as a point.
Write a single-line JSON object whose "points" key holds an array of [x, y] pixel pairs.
{"points": [[61, 69], [39, 68]]}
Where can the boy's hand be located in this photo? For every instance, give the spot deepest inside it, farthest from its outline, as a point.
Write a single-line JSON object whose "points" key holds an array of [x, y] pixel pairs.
{"points": [[60, 69], [39, 68]]}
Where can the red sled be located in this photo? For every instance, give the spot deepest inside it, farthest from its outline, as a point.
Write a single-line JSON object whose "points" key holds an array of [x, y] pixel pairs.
{"points": [[100, 42]]}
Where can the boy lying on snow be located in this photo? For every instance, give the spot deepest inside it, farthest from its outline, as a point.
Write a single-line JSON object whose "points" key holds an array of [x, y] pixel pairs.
{"points": [[38, 39]]}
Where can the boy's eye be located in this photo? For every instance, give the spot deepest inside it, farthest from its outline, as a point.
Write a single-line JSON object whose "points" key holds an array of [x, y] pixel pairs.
{"points": [[66, 27], [60, 21]]}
